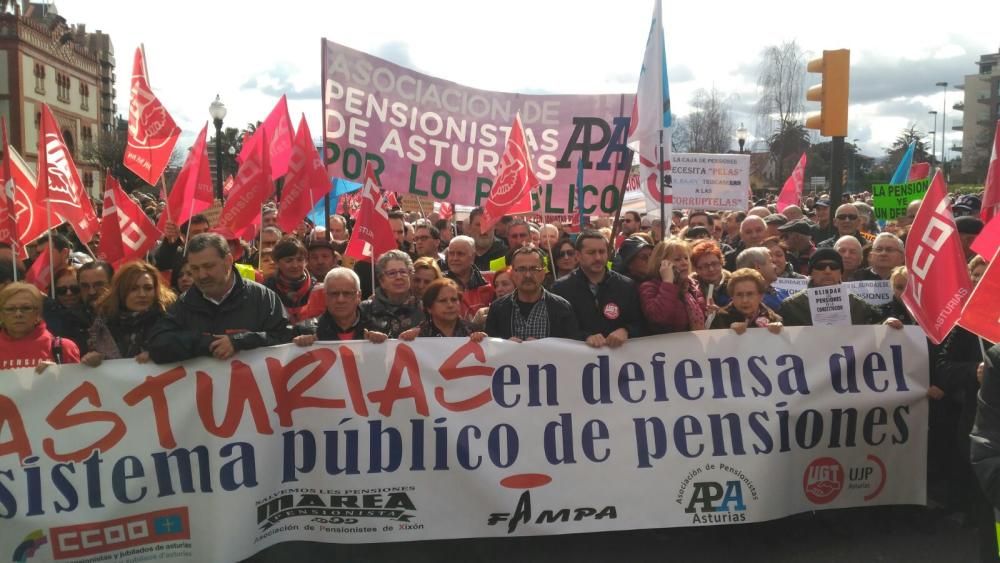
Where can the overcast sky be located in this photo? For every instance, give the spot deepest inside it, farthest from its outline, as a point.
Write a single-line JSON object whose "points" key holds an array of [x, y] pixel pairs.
{"points": [[251, 53]]}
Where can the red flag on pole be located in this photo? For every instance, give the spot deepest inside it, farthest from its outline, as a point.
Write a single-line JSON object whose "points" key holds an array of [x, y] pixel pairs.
{"points": [[987, 244], [8, 212], [372, 235], [939, 280], [919, 171], [152, 133], [511, 191], [791, 192], [40, 272], [252, 188], [306, 182], [980, 312], [59, 182], [126, 232], [192, 191], [991, 194], [29, 207], [278, 130]]}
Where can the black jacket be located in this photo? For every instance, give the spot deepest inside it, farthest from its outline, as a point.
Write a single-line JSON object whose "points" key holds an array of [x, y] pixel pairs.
{"points": [[327, 329], [615, 306], [72, 323], [562, 321], [497, 250], [986, 433], [251, 315]]}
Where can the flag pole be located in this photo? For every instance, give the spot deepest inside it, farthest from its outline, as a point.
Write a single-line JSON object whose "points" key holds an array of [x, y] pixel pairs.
{"points": [[52, 258], [579, 191], [616, 224], [663, 198], [326, 215]]}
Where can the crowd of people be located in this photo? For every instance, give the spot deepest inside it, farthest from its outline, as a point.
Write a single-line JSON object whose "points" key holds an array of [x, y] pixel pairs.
{"points": [[204, 292]]}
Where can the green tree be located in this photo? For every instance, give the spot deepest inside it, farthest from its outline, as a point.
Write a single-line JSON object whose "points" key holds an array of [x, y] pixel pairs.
{"points": [[895, 153], [786, 146]]}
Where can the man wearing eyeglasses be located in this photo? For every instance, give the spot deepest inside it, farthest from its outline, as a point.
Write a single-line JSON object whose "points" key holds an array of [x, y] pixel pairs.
{"points": [[847, 221], [605, 303], [426, 241], [886, 254], [826, 267], [531, 312]]}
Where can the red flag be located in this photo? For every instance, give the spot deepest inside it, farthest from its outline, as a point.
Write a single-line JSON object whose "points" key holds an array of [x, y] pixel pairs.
{"points": [[227, 185], [791, 192], [192, 191], [991, 193], [446, 210], [939, 280], [980, 312], [126, 232], [40, 272], [987, 244], [59, 182], [919, 171], [8, 213], [252, 188], [372, 235], [29, 206], [278, 129], [306, 182], [511, 191], [152, 133]]}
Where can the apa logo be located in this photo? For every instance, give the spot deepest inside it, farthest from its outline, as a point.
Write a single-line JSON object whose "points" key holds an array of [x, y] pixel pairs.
{"points": [[337, 507], [523, 513], [823, 480], [711, 498], [28, 546]]}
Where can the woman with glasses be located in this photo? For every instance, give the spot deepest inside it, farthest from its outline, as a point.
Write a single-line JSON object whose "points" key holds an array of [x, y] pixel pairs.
{"points": [[707, 259], [747, 309], [442, 308], [565, 258], [126, 313], [393, 308], [24, 339]]}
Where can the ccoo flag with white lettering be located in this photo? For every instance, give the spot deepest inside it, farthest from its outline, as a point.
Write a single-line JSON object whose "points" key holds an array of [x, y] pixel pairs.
{"points": [[939, 280], [650, 131]]}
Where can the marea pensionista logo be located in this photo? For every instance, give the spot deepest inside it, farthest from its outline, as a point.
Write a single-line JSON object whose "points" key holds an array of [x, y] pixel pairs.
{"points": [[353, 506]]}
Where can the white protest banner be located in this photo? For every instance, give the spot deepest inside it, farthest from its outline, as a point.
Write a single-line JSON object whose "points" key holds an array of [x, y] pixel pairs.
{"points": [[710, 181], [875, 292], [791, 285], [446, 438], [829, 306], [434, 138]]}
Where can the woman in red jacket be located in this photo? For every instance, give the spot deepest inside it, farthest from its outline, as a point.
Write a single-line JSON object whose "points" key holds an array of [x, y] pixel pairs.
{"points": [[671, 299], [24, 340]]}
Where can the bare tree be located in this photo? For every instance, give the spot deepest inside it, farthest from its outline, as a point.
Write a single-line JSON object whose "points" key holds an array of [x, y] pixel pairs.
{"points": [[710, 127], [782, 97]]}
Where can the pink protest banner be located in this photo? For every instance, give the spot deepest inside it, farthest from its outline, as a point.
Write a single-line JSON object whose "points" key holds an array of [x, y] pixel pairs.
{"points": [[432, 137]]}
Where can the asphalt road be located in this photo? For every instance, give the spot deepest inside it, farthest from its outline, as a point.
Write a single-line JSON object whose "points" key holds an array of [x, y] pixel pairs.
{"points": [[885, 534]]}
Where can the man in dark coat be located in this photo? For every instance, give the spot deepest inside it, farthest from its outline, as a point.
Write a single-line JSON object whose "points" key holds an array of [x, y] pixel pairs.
{"points": [[221, 314], [531, 312]]}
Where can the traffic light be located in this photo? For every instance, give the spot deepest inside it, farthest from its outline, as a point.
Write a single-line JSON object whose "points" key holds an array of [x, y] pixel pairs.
{"points": [[831, 93]]}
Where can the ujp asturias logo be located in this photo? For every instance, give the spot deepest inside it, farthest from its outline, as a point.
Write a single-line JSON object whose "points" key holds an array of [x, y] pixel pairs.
{"points": [[825, 479], [339, 507], [28, 546], [716, 494], [523, 512]]}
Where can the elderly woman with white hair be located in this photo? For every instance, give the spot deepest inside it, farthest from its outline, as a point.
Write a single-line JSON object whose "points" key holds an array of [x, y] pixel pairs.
{"points": [[887, 253], [393, 308]]}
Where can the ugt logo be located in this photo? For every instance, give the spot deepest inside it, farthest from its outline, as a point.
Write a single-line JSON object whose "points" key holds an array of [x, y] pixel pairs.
{"points": [[714, 497]]}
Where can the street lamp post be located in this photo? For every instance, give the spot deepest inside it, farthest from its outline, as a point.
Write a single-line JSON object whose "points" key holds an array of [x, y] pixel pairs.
{"points": [[741, 136], [934, 133], [852, 173], [944, 120], [218, 112]]}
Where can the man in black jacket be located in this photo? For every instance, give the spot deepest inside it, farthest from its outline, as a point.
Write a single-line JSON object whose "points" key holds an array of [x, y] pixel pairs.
{"points": [[605, 302], [221, 314], [531, 312]]}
